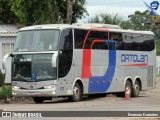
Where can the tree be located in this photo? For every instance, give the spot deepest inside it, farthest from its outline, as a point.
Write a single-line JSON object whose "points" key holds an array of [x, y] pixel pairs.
{"points": [[158, 47], [106, 19], [79, 10], [95, 19], [1, 79], [6, 15], [137, 21], [31, 12], [69, 11]]}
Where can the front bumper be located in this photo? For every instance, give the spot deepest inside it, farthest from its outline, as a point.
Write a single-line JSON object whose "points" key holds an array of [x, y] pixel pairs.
{"points": [[34, 93]]}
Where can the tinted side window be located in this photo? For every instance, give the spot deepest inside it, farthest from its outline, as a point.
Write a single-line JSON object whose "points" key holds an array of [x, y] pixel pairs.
{"points": [[66, 41], [96, 35], [138, 42], [100, 45], [119, 40], [128, 41], [65, 56], [79, 36], [145, 43]]}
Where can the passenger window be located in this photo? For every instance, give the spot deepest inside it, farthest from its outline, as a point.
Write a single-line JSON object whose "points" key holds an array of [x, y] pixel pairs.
{"points": [[96, 35], [79, 36], [118, 38], [100, 46], [138, 42]]}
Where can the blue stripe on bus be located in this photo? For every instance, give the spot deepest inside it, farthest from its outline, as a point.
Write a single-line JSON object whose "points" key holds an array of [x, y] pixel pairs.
{"points": [[98, 84]]}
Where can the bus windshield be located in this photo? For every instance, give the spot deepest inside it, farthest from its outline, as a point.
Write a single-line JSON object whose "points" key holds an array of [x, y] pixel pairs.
{"points": [[33, 67], [36, 40]]}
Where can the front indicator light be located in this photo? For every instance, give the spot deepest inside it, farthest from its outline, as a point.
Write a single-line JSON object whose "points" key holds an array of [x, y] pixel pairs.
{"points": [[15, 87], [50, 87]]}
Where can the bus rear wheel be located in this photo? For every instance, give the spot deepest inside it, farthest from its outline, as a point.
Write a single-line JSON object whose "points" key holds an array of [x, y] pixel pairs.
{"points": [[129, 88], [38, 99], [136, 89], [77, 93]]}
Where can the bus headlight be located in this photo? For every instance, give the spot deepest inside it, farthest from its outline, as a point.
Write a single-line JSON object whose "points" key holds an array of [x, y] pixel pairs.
{"points": [[15, 87], [50, 87], [14, 94]]}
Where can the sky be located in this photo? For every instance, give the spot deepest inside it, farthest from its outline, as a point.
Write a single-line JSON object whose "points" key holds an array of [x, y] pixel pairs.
{"points": [[122, 7]]}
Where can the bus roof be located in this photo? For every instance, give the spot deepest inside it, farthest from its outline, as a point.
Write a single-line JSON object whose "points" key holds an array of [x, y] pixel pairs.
{"points": [[111, 28]]}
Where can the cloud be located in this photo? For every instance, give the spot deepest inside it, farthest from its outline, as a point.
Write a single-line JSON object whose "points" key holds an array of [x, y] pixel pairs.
{"points": [[122, 7], [95, 10], [122, 11]]}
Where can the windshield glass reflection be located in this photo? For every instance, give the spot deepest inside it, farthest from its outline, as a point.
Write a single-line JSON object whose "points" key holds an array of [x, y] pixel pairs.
{"points": [[37, 40], [33, 67]]}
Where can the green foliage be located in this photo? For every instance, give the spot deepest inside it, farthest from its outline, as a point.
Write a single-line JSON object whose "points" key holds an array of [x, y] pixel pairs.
{"points": [[1, 78], [6, 15], [95, 19], [107, 19], [31, 12], [138, 20], [158, 47], [5, 92], [79, 10], [158, 75], [156, 30]]}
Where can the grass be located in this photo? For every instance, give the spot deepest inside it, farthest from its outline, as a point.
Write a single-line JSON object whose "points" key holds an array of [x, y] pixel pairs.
{"points": [[5, 92], [158, 75]]}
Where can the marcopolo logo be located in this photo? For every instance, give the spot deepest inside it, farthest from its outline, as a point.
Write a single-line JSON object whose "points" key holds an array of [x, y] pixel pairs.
{"points": [[154, 5], [134, 58]]}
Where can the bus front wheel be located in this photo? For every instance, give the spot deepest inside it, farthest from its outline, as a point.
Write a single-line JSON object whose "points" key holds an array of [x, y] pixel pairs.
{"points": [[38, 99], [77, 93]]}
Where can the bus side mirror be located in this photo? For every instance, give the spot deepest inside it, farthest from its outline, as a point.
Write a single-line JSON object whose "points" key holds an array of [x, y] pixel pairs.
{"points": [[54, 59], [5, 60]]}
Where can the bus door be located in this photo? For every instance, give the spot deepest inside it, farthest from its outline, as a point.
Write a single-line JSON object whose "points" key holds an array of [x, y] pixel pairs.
{"points": [[65, 58]]}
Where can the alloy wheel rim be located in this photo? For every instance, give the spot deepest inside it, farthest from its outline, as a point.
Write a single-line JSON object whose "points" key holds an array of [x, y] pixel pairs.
{"points": [[76, 92]]}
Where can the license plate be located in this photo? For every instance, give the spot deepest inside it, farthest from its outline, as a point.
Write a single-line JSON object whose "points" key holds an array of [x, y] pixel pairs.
{"points": [[31, 93]]}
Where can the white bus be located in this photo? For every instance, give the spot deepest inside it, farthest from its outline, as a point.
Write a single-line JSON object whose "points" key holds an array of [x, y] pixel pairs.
{"points": [[71, 61]]}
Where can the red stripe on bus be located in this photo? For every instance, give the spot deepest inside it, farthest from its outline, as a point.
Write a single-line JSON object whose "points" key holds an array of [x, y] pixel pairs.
{"points": [[86, 60], [142, 64], [95, 41], [86, 63]]}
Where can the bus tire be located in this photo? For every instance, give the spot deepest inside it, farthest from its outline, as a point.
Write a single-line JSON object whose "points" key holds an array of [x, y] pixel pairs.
{"points": [[38, 99], [136, 89], [128, 84], [77, 93]]}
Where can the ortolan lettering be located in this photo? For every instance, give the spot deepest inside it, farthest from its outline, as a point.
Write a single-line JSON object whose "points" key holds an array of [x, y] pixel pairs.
{"points": [[134, 58]]}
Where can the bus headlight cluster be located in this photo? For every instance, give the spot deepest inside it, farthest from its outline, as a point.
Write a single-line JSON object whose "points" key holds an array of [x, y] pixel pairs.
{"points": [[14, 94], [15, 87], [50, 87]]}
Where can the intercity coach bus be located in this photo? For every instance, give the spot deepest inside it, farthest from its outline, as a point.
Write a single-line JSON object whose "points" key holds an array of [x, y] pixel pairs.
{"points": [[75, 60]]}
